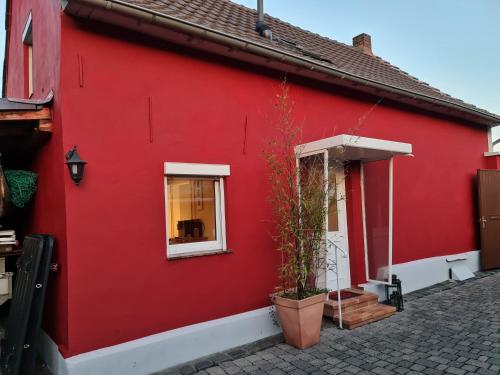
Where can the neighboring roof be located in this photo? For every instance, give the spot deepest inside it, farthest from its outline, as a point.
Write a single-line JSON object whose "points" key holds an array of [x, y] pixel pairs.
{"points": [[12, 105], [236, 21]]}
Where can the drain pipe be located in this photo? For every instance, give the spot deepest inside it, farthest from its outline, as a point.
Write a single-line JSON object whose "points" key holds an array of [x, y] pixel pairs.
{"points": [[260, 11], [260, 26]]}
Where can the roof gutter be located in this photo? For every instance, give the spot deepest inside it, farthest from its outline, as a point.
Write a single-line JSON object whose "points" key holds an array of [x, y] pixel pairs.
{"points": [[154, 17]]}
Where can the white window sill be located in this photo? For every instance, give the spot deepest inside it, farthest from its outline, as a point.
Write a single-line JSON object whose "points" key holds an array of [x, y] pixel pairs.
{"points": [[194, 254], [492, 153]]}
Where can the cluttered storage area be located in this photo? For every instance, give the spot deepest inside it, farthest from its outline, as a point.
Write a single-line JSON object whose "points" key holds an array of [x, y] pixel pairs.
{"points": [[25, 259]]}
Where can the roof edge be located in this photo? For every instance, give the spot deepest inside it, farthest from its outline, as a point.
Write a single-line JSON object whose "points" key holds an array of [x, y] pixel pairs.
{"points": [[14, 104], [77, 8]]}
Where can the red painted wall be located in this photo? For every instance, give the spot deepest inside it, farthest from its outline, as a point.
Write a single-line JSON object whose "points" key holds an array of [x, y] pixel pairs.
{"points": [[121, 285], [355, 222], [46, 47], [48, 212], [493, 162]]}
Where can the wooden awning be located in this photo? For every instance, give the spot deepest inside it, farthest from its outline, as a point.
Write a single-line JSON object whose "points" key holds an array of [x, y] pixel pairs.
{"points": [[24, 125]]}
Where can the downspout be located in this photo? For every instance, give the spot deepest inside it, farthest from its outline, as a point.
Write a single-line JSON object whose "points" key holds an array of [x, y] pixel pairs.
{"points": [[260, 11], [190, 28]]}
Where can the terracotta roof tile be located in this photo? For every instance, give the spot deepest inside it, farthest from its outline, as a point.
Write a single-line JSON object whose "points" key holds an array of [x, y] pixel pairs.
{"points": [[237, 20]]}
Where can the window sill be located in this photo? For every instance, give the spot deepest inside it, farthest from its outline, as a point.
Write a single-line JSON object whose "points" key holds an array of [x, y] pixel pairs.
{"points": [[196, 254], [492, 153]]}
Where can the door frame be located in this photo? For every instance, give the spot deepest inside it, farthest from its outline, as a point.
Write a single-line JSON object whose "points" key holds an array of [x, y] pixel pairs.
{"points": [[342, 218], [489, 216], [341, 198]]}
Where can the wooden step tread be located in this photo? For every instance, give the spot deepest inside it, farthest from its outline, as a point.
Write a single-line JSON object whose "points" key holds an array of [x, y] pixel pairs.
{"points": [[365, 315], [363, 299]]}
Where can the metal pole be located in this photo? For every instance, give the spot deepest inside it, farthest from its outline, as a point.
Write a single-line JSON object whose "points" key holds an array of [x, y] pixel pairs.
{"points": [[339, 300], [260, 11], [391, 213]]}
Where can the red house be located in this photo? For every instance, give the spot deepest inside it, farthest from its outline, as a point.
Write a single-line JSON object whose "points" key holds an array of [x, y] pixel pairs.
{"points": [[164, 247]]}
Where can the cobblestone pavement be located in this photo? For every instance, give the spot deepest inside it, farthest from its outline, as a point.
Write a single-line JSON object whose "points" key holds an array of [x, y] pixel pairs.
{"points": [[450, 328]]}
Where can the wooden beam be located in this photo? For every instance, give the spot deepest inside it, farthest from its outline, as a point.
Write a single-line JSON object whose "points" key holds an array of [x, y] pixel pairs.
{"points": [[43, 114], [45, 126]]}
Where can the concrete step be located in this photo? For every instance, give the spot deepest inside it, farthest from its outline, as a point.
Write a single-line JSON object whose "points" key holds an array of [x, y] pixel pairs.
{"points": [[365, 315]]}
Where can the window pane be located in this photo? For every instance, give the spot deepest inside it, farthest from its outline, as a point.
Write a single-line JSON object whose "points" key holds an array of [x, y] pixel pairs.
{"points": [[191, 210], [333, 215]]}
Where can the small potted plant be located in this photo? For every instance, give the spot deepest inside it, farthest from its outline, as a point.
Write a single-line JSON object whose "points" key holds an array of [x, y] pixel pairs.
{"points": [[299, 193]]}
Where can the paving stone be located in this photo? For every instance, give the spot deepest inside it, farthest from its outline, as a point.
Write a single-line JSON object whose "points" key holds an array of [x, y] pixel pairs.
{"points": [[401, 370], [215, 371], [481, 364], [276, 372], [427, 363], [232, 370], [431, 371], [495, 361], [470, 368], [455, 371], [382, 371], [187, 370], [495, 368], [417, 367], [202, 365]]}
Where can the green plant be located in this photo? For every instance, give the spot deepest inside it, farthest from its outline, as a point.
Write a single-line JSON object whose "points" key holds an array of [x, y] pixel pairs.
{"points": [[300, 196]]}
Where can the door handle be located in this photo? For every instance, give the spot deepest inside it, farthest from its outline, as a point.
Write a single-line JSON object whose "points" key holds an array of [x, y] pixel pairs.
{"points": [[483, 221]]}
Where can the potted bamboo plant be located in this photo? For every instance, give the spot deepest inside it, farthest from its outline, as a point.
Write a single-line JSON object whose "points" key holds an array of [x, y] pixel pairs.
{"points": [[299, 196]]}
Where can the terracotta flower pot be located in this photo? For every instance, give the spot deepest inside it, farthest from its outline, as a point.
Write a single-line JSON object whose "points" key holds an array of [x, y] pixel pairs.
{"points": [[301, 319]]}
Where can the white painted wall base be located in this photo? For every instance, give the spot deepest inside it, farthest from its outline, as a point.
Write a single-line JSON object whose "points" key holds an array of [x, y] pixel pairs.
{"points": [[51, 355], [158, 352], [422, 273]]}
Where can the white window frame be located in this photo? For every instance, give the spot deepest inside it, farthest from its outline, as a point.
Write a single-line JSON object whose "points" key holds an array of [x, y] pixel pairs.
{"points": [[27, 39], [195, 170]]}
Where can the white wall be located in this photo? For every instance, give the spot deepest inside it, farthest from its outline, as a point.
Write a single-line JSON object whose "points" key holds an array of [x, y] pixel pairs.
{"points": [[422, 273]]}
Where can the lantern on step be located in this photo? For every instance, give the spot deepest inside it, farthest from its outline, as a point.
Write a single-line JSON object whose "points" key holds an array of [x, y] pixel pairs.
{"points": [[394, 294], [75, 165]]}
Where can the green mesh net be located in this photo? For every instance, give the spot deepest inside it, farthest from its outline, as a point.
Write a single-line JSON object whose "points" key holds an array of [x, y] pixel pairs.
{"points": [[22, 185]]}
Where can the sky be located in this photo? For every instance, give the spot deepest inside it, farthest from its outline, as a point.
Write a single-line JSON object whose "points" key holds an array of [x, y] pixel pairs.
{"points": [[453, 45]]}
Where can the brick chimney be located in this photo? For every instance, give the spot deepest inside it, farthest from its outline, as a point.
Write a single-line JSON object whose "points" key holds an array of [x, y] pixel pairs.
{"points": [[363, 42]]}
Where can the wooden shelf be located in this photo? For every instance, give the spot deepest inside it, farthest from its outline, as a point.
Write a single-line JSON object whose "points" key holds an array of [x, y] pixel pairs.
{"points": [[11, 253]]}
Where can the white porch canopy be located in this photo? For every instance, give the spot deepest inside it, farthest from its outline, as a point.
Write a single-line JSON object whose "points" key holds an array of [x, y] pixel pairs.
{"points": [[353, 147], [376, 157]]}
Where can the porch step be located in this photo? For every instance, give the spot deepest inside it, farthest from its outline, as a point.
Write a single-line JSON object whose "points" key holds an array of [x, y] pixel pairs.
{"points": [[358, 308], [361, 299], [365, 315]]}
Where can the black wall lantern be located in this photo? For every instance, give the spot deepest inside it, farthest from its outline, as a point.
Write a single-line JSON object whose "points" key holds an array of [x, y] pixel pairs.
{"points": [[75, 165]]}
